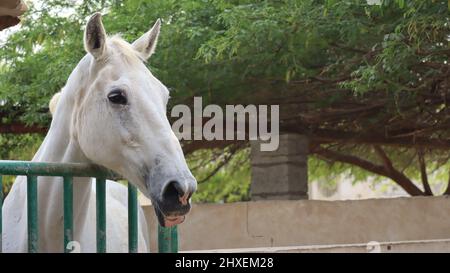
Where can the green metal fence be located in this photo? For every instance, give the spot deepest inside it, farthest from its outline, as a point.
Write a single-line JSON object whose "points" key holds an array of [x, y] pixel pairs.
{"points": [[167, 237]]}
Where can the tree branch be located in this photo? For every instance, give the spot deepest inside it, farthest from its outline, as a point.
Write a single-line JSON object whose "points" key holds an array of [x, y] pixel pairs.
{"points": [[387, 163], [423, 173], [396, 176], [322, 136], [224, 162], [447, 191], [19, 128], [356, 50]]}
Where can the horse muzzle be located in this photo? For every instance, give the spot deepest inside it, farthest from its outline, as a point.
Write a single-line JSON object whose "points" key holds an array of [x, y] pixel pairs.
{"points": [[172, 205]]}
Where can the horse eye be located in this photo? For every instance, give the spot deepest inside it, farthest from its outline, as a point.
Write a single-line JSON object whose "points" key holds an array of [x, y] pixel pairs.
{"points": [[117, 96]]}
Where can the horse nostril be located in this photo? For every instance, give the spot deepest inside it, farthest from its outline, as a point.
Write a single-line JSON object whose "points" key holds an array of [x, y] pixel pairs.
{"points": [[173, 191]]}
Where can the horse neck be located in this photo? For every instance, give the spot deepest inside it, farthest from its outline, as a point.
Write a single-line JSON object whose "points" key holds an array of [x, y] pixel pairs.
{"points": [[61, 146], [58, 146]]}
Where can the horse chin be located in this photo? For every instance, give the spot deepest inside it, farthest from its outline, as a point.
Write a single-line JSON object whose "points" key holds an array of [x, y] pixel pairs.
{"points": [[168, 221], [173, 221]]}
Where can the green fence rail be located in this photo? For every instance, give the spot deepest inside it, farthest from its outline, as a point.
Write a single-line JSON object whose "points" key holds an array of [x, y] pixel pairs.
{"points": [[167, 237]]}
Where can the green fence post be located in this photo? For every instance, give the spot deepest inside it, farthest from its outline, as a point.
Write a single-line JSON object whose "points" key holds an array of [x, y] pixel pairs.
{"points": [[68, 212], [132, 219], [163, 239], [167, 239], [32, 209], [174, 239], [101, 214]]}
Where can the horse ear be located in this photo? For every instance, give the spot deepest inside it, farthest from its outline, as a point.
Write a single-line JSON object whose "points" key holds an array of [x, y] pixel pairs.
{"points": [[95, 36], [146, 44]]}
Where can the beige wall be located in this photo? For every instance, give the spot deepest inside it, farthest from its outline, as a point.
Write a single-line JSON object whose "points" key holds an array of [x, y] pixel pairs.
{"points": [[307, 222]]}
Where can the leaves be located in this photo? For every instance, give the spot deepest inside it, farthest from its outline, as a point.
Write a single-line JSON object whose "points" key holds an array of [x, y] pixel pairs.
{"points": [[337, 52]]}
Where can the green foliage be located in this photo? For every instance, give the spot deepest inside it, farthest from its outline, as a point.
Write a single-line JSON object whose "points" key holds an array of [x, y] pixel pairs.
{"points": [[226, 50], [21, 147], [230, 184], [225, 44]]}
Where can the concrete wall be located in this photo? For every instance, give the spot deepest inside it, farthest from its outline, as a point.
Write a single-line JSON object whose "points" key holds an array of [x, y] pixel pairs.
{"points": [[306, 222]]}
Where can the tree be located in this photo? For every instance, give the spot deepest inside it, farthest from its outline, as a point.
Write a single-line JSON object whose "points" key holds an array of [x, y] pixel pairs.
{"points": [[367, 83]]}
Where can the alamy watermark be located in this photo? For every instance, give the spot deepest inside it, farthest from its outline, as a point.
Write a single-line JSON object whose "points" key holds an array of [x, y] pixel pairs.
{"points": [[237, 122]]}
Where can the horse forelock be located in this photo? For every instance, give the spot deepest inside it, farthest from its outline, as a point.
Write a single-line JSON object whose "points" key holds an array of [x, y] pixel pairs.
{"points": [[124, 50]]}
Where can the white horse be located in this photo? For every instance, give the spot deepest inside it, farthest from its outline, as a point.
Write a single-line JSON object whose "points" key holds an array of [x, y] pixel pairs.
{"points": [[112, 112]]}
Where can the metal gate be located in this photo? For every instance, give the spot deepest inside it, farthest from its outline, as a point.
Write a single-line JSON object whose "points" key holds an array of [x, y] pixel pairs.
{"points": [[167, 237]]}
